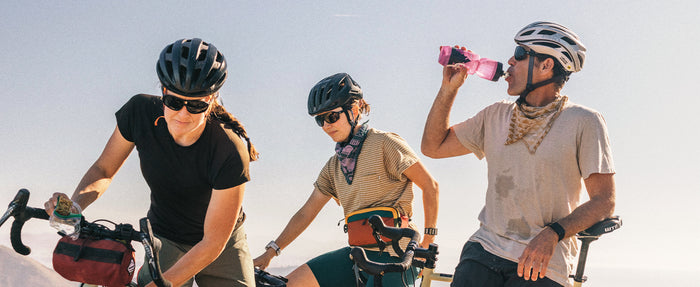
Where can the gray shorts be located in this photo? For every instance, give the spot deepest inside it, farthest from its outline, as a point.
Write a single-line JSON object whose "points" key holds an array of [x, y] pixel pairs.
{"points": [[233, 267]]}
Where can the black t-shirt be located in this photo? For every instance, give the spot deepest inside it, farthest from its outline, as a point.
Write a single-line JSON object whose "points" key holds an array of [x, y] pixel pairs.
{"points": [[181, 179]]}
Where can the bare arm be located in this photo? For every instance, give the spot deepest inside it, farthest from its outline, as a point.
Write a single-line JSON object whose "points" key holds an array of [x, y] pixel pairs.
{"points": [[297, 224], [99, 176], [439, 139], [419, 175], [536, 256], [218, 226]]}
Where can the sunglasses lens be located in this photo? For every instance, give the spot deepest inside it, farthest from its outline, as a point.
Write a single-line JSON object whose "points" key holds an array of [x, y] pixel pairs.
{"points": [[197, 107], [173, 103], [319, 120], [330, 118], [333, 117], [520, 53]]}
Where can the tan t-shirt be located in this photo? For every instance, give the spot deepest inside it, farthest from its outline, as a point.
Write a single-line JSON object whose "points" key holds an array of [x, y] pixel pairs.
{"points": [[526, 191], [379, 179]]}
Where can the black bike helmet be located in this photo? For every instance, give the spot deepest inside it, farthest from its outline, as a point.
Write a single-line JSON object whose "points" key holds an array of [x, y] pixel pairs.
{"points": [[335, 91], [191, 68]]}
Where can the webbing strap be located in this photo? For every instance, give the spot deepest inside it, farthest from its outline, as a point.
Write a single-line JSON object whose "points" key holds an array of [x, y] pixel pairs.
{"points": [[89, 253]]}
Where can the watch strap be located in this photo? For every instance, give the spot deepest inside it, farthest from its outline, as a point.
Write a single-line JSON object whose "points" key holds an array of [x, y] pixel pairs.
{"points": [[274, 246], [558, 229]]}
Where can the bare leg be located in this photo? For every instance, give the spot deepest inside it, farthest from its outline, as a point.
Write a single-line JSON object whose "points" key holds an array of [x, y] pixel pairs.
{"points": [[302, 277]]}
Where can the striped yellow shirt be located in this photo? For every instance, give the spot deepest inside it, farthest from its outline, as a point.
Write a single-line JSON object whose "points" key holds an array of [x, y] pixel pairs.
{"points": [[379, 179]]}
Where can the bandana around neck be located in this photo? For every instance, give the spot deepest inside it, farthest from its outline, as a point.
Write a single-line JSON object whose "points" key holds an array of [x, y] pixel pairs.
{"points": [[348, 152], [531, 124]]}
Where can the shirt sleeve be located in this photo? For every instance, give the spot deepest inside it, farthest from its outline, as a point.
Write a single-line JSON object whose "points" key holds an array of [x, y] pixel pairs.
{"points": [[470, 133], [324, 182], [125, 118], [594, 153], [398, 156], [234, 172]]}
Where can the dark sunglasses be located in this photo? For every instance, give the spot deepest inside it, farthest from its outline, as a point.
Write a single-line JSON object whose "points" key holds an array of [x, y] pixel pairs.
{"points": [[330, 118], [193, 106], [520, 53]]}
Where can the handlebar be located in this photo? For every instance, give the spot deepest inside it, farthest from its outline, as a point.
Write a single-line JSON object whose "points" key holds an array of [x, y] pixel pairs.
{"points": [[21, 212], [412, 251]]}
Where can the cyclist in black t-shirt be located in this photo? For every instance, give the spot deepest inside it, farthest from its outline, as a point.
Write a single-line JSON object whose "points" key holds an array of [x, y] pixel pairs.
{"points": [[195, 162]]}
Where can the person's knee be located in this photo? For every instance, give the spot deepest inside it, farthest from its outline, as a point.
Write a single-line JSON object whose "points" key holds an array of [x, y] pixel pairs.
{"points": [[302, 277]]}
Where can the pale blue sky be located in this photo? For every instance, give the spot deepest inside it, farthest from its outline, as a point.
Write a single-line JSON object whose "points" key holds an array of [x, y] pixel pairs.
{"points": [[66, 67]]}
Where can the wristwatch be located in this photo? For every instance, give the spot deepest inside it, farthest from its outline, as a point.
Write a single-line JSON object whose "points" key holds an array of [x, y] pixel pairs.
{"points": [[430, 231], [558, 229], [274, 246]]}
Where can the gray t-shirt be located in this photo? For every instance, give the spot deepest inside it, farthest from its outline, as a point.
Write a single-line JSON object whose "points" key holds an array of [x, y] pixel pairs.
{"points": [[525, 191]]}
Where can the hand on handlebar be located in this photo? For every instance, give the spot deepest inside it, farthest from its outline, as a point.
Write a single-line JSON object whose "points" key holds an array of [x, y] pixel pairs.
{"points": [[264, 259], [427, 239]]}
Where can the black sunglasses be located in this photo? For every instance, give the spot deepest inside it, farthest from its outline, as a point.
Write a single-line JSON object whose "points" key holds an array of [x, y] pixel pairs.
{"points": [[330, 118], [193, 106], [520, 53]]}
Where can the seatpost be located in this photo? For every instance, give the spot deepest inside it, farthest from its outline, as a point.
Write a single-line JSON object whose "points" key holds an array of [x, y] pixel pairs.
{"points": [[579, 278]]}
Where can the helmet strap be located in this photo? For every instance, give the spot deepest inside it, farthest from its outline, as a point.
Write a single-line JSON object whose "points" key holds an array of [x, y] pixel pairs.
{"points": [[530, 86], [353, 123]]}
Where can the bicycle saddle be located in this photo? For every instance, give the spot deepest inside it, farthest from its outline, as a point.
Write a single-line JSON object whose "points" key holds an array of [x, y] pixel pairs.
{"points": [[602, 227]]}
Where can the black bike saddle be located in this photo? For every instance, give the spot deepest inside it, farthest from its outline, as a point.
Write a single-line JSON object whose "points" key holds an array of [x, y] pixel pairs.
{"points": [[605, 226]]}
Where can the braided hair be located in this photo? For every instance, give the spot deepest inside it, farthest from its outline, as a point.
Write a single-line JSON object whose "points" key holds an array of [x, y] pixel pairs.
{"points": [[219, 112]]}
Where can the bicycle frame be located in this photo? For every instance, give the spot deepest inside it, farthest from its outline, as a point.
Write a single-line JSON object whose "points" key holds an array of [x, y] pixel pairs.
{"points": [[429, 275]]}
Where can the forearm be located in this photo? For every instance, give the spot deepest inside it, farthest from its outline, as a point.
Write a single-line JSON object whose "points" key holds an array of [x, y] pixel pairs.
{"points": [[196, 259], [601, 191], [93, 184], [296, 225], [431, 205], [587, 214]]}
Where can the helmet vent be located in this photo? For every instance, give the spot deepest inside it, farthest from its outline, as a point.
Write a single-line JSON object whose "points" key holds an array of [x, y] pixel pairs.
{"points": [[202, 55], [546, 32], [169, 68], [567, 55], [185, 52], [551, 45], [571, 42], [527, 33]]}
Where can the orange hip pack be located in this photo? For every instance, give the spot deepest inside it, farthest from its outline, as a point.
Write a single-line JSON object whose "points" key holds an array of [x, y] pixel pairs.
{"points": [[360, 231], [102, 262]]}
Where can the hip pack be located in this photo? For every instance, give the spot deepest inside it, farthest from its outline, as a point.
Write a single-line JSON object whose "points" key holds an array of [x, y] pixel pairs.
{"points": [[359, 230], [101, 262]]}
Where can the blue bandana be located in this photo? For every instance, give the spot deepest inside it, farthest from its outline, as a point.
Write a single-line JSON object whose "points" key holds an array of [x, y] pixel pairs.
{"points": [[348, 152]]}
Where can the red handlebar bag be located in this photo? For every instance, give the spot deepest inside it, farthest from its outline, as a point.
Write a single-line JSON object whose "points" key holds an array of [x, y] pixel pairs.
{"points": [[360, 231], [101, 262]]}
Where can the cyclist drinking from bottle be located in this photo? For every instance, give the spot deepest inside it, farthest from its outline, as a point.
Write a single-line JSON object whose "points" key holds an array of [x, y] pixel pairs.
{"points": [[195, 162], [539, 149], [372, 171]]}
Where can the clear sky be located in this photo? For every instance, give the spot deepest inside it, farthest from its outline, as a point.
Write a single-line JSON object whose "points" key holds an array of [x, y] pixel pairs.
{"points": [[67, 66]]}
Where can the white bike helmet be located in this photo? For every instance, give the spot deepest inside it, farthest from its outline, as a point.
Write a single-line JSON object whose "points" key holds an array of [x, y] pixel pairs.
{"points": [[555, 40]]}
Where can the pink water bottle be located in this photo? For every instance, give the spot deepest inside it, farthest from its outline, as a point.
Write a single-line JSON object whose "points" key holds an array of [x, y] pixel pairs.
{"points": [[482, 67]]}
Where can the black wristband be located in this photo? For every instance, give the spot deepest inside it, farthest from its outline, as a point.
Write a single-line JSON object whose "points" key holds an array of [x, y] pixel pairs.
{"points": [[558, 229], [430, 231]]}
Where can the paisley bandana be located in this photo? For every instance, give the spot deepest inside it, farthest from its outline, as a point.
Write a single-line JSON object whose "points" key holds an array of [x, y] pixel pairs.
{"points": [[531, 124], [348, 152]]}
